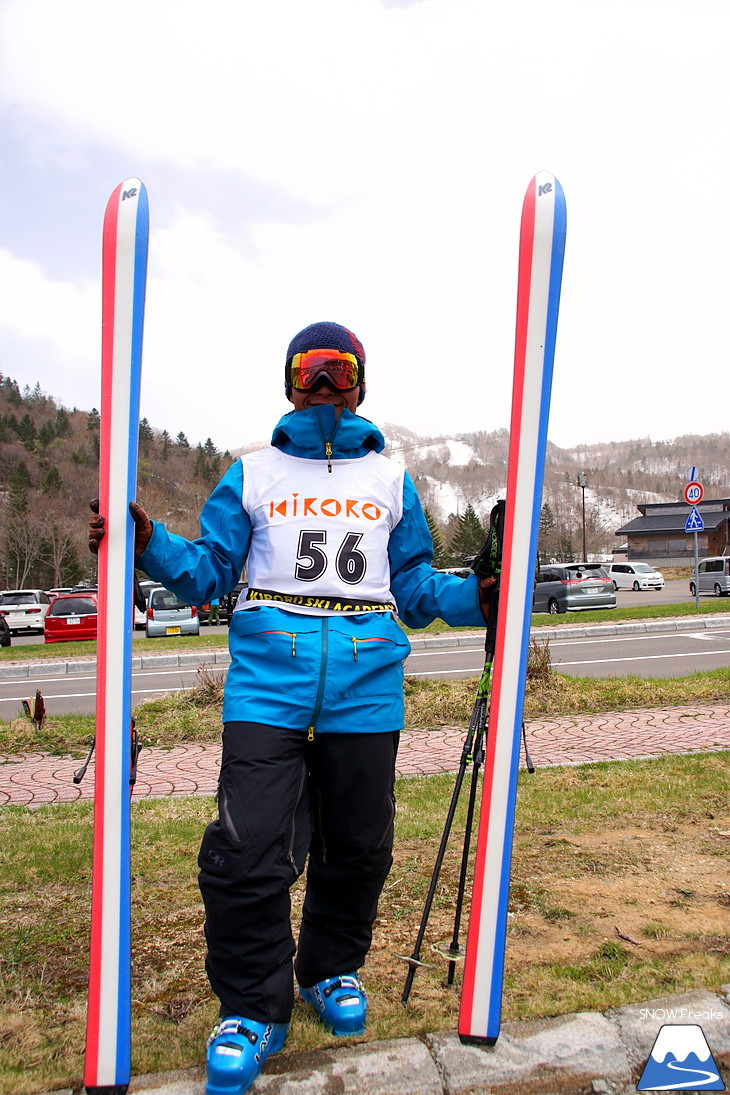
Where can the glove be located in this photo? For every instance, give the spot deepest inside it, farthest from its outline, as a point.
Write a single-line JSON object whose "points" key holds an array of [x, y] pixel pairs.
{"points": [[486, 589], [142, 528]]}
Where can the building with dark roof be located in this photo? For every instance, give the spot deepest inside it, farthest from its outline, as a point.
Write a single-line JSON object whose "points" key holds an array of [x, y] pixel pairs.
{"points": [[658, 536]]}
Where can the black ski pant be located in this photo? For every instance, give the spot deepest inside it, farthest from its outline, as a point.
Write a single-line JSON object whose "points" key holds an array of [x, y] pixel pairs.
{"points": [[280, 797]]}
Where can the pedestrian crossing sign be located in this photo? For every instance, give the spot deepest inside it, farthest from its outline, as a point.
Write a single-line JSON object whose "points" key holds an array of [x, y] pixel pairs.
{"points": [[694, 521]]}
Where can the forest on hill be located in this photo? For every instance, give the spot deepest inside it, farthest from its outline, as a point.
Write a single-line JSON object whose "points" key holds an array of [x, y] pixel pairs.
{"points": [[49, 473], [49, 466]]}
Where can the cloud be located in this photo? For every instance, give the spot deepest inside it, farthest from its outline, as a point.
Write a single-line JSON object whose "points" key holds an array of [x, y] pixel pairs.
{"points": [[366, 162]]}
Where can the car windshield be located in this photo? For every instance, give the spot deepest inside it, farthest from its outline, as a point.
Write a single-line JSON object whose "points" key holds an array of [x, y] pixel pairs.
{"points": [[162, 599], [590, 570], [642, 568], [18, 599], [73, 606]]}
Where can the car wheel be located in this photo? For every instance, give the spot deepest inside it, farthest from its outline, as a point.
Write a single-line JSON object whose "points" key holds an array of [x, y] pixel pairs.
{"points": [[553, 607], [692, 589], [718, 589], [615, 588], [636, 587]]}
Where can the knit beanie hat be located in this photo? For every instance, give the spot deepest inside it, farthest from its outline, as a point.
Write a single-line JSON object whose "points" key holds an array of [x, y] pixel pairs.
{"points": [[327, 336]]}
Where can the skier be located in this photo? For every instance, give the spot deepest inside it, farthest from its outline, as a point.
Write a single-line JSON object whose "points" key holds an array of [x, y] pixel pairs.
{"points": [[337, 547]]}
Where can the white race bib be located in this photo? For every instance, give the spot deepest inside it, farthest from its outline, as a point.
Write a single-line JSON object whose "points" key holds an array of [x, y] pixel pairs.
{"points": [[320, 538]]}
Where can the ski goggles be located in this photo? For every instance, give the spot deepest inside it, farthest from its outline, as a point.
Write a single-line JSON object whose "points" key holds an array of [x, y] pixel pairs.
{"points": [[344, 371]]}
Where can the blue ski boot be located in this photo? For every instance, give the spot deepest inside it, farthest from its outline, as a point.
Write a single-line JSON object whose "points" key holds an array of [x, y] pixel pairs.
{"points": [[237, 1049], [341, 1003]]}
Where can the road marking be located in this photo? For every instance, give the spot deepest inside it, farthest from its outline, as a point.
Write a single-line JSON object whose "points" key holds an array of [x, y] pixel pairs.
{"points": [[86, 695], [647, 657]]}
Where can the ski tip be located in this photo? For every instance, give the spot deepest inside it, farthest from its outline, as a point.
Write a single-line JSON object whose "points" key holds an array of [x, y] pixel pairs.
{"points": [[545, 183], [545, 188], [130, 189]]}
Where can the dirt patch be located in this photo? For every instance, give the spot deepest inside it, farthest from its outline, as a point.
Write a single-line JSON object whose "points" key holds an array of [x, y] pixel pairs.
{"points": [[585, 908]]}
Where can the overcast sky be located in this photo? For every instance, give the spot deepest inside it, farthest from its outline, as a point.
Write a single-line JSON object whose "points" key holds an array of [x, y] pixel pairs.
{"points": [[365, 161]]}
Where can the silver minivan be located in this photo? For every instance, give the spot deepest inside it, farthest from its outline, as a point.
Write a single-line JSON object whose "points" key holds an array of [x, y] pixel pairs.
{"points": [[713, 576], [570, 587]]}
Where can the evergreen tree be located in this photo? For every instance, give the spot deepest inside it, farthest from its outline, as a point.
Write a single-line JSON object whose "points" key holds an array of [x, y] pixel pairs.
{"points": [[46, 434], [27, 431], [22, 545], [12, 391], [468, 539], [440, 554], [182, 441], [52, 482], [62, 422], [548, 535], [146, 437], [201, 464]]}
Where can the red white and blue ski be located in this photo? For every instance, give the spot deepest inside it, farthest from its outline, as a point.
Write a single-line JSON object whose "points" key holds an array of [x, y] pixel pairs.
{"points": [[107, 1065], [542, 245]]}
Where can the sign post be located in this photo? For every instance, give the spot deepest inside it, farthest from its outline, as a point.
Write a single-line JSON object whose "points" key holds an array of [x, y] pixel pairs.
{"points": [[693, 494]]}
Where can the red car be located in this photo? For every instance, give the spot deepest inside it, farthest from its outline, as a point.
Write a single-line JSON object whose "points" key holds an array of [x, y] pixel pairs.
{"points": [[71, 617]]}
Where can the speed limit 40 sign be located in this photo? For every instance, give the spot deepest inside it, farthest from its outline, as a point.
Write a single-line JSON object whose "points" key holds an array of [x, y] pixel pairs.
{"points": [[693, 493]]}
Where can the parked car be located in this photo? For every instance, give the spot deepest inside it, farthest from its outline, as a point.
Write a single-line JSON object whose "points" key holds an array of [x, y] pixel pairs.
{"points": [[168, 615], [635, 576], [57, 590], [5, 639], [228, 603], [24, 609], [72, 617], [713, 576], [569, 587], [140, 618]]}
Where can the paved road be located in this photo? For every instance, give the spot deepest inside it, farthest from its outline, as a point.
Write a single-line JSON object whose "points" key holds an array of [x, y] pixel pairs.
{"points": [[672, 654], [655, 654]]}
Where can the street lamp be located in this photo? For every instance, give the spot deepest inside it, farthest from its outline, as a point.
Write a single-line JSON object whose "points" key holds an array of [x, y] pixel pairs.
{"points": [[582, 485]]}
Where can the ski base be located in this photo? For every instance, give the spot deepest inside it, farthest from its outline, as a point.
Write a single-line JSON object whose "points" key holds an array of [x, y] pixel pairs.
{"points": [[476, 1040], [115, 1089]]}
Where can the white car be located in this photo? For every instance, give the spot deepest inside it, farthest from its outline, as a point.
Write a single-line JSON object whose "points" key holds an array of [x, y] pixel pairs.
{"points": [[25, 609], [635, 576]]}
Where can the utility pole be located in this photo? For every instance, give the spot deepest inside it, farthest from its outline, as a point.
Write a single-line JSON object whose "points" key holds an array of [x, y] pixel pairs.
{"points": [[582, 485]]}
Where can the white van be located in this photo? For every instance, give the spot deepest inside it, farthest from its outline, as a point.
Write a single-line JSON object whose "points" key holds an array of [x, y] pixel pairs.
{"points": [[713, 576], [635, 576]]}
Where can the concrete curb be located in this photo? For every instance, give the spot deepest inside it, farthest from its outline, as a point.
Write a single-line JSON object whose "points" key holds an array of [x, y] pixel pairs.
{"points": [[220, 657], [568, 1055]]}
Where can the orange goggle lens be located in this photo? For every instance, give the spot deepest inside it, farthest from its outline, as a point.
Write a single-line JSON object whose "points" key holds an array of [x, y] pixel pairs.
{"points": [[344, 370]]}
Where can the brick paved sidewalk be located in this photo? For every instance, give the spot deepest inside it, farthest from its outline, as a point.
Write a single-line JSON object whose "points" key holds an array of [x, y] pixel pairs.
{"points": [[35, 779]]}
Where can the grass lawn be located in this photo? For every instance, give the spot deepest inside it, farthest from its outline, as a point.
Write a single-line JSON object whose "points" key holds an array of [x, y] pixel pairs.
{"points": [[636, 848], [619, 886]]}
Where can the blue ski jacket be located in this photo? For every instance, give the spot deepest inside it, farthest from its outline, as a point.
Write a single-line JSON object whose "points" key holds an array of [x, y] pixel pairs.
{"points": [[323, 673]]}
